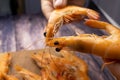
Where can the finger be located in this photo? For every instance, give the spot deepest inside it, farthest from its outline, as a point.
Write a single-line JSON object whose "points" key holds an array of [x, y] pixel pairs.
{"points": [[102, 25], [47, 7], [59, 3]]}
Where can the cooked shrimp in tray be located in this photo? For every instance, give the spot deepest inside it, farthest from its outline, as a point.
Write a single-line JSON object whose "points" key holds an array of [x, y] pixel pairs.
{"points": [[64, 67]]}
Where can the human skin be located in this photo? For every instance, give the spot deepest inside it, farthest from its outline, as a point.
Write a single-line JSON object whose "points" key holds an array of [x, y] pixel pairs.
{"points": [[49, 5]]}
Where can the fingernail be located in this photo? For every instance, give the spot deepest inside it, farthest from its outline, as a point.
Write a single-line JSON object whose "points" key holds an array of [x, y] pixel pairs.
{"points": [[59, 3]]}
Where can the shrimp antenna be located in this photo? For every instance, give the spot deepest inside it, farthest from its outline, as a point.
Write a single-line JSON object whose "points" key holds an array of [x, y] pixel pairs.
{"points": [[106, 63], [53, 59], [36, 41], [42, 55]]}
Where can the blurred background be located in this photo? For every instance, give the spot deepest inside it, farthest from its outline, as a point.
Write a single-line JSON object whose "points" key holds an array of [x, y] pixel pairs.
{"points": [[17, 7], [14, 7]]}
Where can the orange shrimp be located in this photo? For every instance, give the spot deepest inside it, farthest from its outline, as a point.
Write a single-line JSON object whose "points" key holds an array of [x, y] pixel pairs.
{"points": [[4, 64], [105, 46], [61, 67], [66, 15], [9, 77]]}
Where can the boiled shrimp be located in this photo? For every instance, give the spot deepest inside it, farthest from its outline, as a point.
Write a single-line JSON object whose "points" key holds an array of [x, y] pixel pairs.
{"points": [[9, 77], [105, 46], [61, 68], [4, 64], [66, 15]]}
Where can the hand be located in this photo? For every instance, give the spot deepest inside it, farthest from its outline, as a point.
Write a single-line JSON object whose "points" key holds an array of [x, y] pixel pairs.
{"points": [[49, 5]]}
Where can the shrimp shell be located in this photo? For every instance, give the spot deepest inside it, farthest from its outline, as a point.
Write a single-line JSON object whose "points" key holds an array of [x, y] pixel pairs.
{"points": [[66, 15], [4, 64], [106, 47], [67, 67]]}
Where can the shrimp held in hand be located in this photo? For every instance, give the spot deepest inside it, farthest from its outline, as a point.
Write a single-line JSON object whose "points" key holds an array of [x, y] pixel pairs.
{"points": [[107, 47], [66, 15]]}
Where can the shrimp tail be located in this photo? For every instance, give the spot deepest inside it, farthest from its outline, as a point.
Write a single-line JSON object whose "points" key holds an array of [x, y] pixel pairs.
{"points": [[102, 25]]}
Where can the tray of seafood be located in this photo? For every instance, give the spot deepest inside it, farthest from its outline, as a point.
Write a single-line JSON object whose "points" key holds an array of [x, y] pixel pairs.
{"points": [[42, 65]]}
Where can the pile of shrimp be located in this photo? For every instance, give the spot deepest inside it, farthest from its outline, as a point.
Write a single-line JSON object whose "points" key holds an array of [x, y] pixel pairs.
{"points": [[56, 68], [52, 67]]}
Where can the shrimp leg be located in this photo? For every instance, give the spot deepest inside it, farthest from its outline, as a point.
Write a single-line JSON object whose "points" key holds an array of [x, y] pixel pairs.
{"points": [[106, 47]]}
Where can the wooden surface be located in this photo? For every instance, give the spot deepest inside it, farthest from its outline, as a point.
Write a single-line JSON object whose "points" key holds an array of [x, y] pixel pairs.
{"points": [[26, 33]]}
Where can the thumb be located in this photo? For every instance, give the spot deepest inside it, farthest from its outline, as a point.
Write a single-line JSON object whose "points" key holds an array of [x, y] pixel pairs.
{"points": [[59, 3]]}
